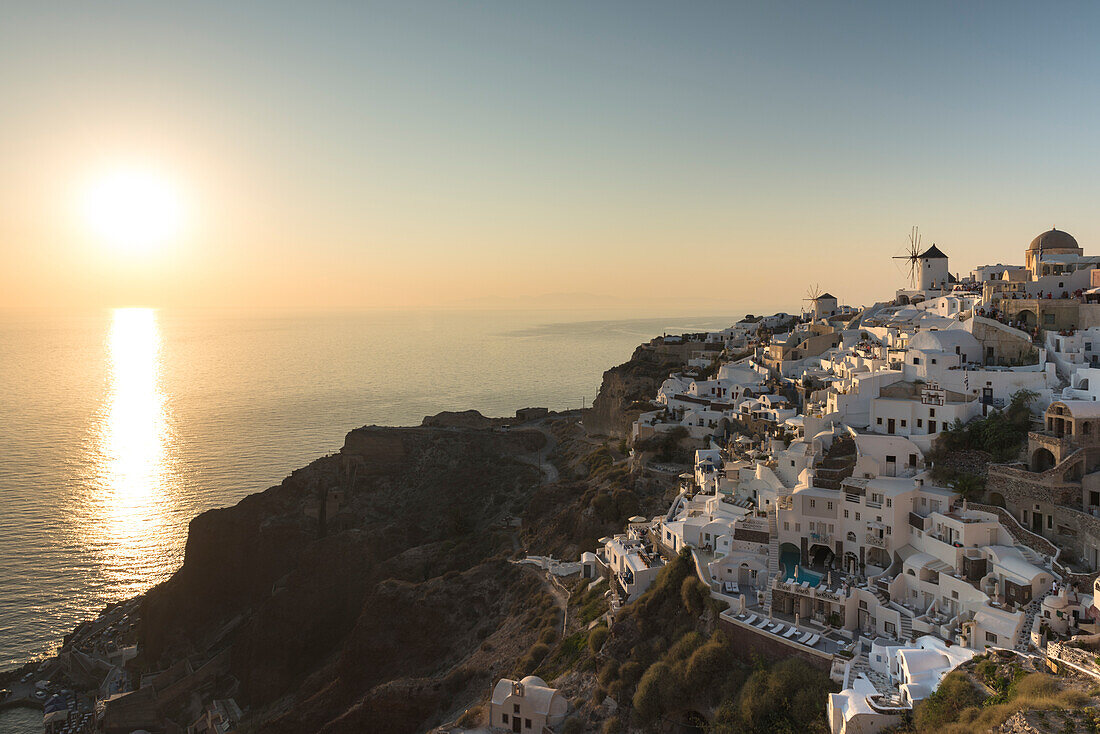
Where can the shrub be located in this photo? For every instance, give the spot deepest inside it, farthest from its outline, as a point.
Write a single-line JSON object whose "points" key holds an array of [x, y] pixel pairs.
{"points": [[573, 725], [597, 637], [608, 673], [693, 595], [647, 698], [788, 697], [944, 705]]}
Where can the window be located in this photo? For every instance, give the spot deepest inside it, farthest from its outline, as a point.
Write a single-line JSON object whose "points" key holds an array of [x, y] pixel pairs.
{"points": [[888, 529], [889, 502], [931, 412], [879, 421], [1050, 521], [786, 526], [504, 718], [845, 514], [857, 517], [862, 604], [798, 527], [1048, 318], [892, 459], [903, 423], [916, 360], [990, 637], [1094, 498], [954, 595], [526, 723], [933, 360], [829, 505], [813, 503], [515, 708], [920, 422]]}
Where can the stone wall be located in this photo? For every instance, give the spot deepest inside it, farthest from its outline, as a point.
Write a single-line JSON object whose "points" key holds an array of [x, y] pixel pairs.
{"points": [[751, 642]]}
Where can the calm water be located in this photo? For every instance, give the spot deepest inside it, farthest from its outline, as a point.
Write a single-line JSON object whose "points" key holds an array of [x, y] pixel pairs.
{"points": [[117, 428], [20, 721]]}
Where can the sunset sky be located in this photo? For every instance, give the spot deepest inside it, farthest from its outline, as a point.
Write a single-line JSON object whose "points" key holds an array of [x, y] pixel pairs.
{"points": [[660, 156]]}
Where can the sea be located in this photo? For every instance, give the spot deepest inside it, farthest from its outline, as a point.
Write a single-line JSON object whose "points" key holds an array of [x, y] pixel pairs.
{"points": [[119, 426]]}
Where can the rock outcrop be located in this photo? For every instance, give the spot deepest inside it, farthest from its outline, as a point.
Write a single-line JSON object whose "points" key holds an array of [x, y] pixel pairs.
{"points": [[354, 595], [634, 381]]}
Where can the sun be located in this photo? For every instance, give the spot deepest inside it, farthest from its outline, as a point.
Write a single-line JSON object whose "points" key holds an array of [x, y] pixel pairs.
{"points": [[133, 209]]}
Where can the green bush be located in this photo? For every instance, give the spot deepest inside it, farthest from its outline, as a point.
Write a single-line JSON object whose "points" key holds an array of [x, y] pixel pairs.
{"points": [[609, 673], [693, 594], [658, 691], [597, 637], [789, 696]]}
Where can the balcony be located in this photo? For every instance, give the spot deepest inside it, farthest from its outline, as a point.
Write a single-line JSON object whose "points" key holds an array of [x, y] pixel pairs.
{"points": [[875, 541]]}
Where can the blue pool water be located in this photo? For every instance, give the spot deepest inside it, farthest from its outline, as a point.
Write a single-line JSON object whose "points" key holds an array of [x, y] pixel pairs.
{"points": [[789, 561]]}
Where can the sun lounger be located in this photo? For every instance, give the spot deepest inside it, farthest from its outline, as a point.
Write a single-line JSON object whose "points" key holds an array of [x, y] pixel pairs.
{"points": [[763, 623], [813, 640], [805, 637], [805, 584], [791, 632], [750, 619], [778, 629]]}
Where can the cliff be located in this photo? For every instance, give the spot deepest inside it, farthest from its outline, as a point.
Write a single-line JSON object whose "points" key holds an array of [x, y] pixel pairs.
{"points": [[634, 381], [358, 594]]}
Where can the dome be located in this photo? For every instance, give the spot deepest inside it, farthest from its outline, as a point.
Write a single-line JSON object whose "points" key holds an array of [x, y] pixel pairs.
{"points": [[1054, 240], [533, 680]]}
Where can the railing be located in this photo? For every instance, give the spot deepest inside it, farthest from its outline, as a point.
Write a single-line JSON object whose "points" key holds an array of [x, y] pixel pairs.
{"points": [[875, 541]]}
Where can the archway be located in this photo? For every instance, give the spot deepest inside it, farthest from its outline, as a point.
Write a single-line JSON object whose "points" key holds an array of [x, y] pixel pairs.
{"points": [[789, 557], [997, 499], [1041, 460], [821, 556], [1028, 317]]}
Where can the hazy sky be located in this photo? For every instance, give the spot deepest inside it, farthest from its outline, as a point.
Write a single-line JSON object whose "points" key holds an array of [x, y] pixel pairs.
{"points": [[696, 156]]}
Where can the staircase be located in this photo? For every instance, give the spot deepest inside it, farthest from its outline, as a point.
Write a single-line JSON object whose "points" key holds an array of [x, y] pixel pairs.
{"points": [[1032, 557], [773, 556], [905, 632], [906, 627], [837, 465], [862, 666], [1023, 638]]}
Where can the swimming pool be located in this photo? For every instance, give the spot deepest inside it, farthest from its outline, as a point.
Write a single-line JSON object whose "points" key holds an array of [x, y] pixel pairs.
{"points": [[792, 571]]}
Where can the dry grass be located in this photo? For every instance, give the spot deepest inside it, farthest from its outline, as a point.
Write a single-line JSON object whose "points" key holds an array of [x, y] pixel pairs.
{"points": [[1035, 691]]}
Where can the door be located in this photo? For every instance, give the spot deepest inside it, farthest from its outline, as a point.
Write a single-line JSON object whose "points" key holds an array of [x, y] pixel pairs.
{"points": [[1037, 523], [931, 426], [517, 723], [890, 425]]}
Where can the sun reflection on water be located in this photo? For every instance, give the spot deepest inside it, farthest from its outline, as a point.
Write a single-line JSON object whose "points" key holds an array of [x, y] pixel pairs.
{"points": [[133, 473]]}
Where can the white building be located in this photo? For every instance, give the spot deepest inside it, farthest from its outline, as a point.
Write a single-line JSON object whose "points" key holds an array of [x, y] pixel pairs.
{"points": [[527, 705]]}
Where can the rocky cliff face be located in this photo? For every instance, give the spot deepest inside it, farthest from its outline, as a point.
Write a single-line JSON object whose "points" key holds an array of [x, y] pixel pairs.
{"points": [[358, 594], [632, 381]]}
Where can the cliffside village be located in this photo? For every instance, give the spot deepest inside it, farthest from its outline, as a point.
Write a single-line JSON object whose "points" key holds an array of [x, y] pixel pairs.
{"points": [[812, 509]]}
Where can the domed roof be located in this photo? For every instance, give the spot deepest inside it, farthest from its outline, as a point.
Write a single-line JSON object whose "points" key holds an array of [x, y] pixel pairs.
{"points": [[533, 680], [1054, 239]]}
